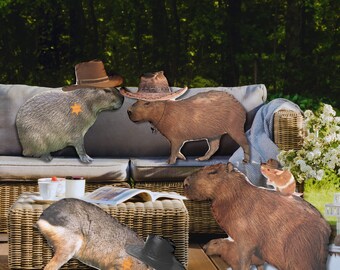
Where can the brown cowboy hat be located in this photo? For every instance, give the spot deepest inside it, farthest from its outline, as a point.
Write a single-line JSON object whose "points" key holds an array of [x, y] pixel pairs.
{"points": [[153, 86], [93, 74]]}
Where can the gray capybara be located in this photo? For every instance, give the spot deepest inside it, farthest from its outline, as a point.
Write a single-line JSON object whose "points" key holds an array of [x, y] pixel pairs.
{"points": [[77, 229], [203, 116], [52, 120], [226, 248], [285, 231]]}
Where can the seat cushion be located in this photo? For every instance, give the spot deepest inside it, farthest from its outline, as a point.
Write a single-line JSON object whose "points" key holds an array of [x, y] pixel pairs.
{"points": [[100, 169], [157, 169]]}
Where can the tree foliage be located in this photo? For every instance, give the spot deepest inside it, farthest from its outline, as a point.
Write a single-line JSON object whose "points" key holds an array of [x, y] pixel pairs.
{"points": [[290, 46]]}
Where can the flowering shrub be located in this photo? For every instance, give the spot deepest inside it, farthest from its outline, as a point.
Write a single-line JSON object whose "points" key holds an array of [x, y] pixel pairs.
{"points": [[320, 151]]}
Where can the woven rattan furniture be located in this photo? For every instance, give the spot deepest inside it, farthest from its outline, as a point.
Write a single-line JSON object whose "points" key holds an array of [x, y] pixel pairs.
{"points": [[29, 250]]}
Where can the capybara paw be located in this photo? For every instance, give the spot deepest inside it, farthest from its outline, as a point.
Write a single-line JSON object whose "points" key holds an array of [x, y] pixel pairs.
{"points": [[171, 160], [181, 156], [85, 159], [46, 157], [202, 158]]}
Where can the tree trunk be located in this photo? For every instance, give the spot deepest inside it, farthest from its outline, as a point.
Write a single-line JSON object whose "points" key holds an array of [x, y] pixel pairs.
{"points": [[231, 43]]}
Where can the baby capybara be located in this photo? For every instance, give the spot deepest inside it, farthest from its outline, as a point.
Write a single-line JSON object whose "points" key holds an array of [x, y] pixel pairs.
{"points": [[227, 249], [53, 120], [206, 115], [77, 229], [285, 231]]}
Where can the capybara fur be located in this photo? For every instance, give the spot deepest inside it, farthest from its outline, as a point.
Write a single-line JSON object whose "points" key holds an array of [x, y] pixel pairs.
{"points": [[77, 229], [227, 250], [282, 180], [206, 115], [285, 231], [53, 120]]}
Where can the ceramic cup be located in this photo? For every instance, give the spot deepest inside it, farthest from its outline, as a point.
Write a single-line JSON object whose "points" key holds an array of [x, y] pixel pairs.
{"points": [[48, 189], [61, 185], [75, 188]]}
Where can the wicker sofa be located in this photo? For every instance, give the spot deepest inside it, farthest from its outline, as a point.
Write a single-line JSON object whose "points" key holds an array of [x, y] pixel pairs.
{"points": [[124, 153]]}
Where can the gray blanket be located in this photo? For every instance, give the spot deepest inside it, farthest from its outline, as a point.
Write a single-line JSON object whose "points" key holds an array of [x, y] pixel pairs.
{"points": [[260, 137]]}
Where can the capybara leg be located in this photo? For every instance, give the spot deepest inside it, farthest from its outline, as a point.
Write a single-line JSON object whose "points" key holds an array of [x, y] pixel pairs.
{"points": [[82, 153], [46, 157], [175, 151], [260, 267], [239, 137], [214, 144], [59, 259]]}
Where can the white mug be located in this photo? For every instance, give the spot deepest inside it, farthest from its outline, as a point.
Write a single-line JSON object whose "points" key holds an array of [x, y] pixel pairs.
{"points": [[48, 189], [61, 185], [75, 188]]}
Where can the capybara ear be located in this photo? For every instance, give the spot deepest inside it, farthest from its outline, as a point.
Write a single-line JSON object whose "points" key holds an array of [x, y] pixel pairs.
{"points": [[230, 167]]}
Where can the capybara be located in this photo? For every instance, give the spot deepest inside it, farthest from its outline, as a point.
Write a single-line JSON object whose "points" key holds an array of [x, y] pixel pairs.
{"points": [[282, 180], [285, 231], [53, 120], [203, 116], [77, 229], [227, 249]]}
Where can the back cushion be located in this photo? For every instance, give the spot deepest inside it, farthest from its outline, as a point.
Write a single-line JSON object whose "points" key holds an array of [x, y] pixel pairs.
{"points": [[113, 134]]}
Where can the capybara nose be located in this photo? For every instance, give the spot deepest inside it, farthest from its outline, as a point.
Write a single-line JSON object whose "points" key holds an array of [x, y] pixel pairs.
{"points": [[205, 247], [129, 112]]}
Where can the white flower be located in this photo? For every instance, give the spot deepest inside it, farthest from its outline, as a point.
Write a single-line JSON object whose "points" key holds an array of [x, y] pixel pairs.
{"points": [[327, 109], [310, 156], [320, 174]]}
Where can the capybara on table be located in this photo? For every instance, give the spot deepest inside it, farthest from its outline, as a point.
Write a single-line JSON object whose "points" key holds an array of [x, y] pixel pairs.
{"points": [[285, 231], [78, 229], [53, 120], [203, 116], [227, 249]]}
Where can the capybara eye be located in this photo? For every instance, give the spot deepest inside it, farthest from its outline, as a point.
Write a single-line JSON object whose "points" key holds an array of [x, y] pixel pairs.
{"points": [[146, 103], [107, 90], [213, 172]]}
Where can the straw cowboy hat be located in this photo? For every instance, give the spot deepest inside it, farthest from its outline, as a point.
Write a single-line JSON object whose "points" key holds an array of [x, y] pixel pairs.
{"points": [[152, 87], [157, 252], [92, 74]]}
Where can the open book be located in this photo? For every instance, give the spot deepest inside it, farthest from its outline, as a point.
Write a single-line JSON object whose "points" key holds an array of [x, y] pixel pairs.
{"points": [[115, 195]]}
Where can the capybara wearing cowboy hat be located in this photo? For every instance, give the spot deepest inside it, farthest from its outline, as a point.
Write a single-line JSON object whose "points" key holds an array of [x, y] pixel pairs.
{"points": [[226, 248], [53, 120], [77, 229], [287, 232], [203, 116]]}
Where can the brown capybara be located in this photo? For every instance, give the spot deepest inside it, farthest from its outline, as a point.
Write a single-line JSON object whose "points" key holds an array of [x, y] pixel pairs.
{"points": [[206, 115], [226, 248], [285, 231], [77, 229], [282, 180], [53, 120]]}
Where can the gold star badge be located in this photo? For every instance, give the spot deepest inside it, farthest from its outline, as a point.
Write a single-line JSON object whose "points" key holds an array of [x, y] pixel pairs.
{"points": [[76, 108], [127, 263]]}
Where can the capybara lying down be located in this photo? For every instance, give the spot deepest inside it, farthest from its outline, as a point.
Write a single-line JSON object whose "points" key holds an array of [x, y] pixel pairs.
{"points": [[77, 229], [52, 120], [285, 231], [227, 249], [206, 115], [282, 180]]}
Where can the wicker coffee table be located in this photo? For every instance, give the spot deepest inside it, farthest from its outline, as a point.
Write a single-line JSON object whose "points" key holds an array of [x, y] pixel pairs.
{"points": [[28, 249]]}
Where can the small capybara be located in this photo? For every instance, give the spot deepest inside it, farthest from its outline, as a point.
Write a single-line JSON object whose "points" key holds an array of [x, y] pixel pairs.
{"points": [[285, 231], [53, 120], [203, 116], [227, 249], [282, 180], [77, 229]]}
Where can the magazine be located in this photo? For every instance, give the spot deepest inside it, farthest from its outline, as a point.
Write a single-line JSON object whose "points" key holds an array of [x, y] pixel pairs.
{"points": [[115, 195]]}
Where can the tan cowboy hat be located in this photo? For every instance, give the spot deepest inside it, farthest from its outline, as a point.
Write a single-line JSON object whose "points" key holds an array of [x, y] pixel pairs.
{"points": [[93, 74], [152, 87]]}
